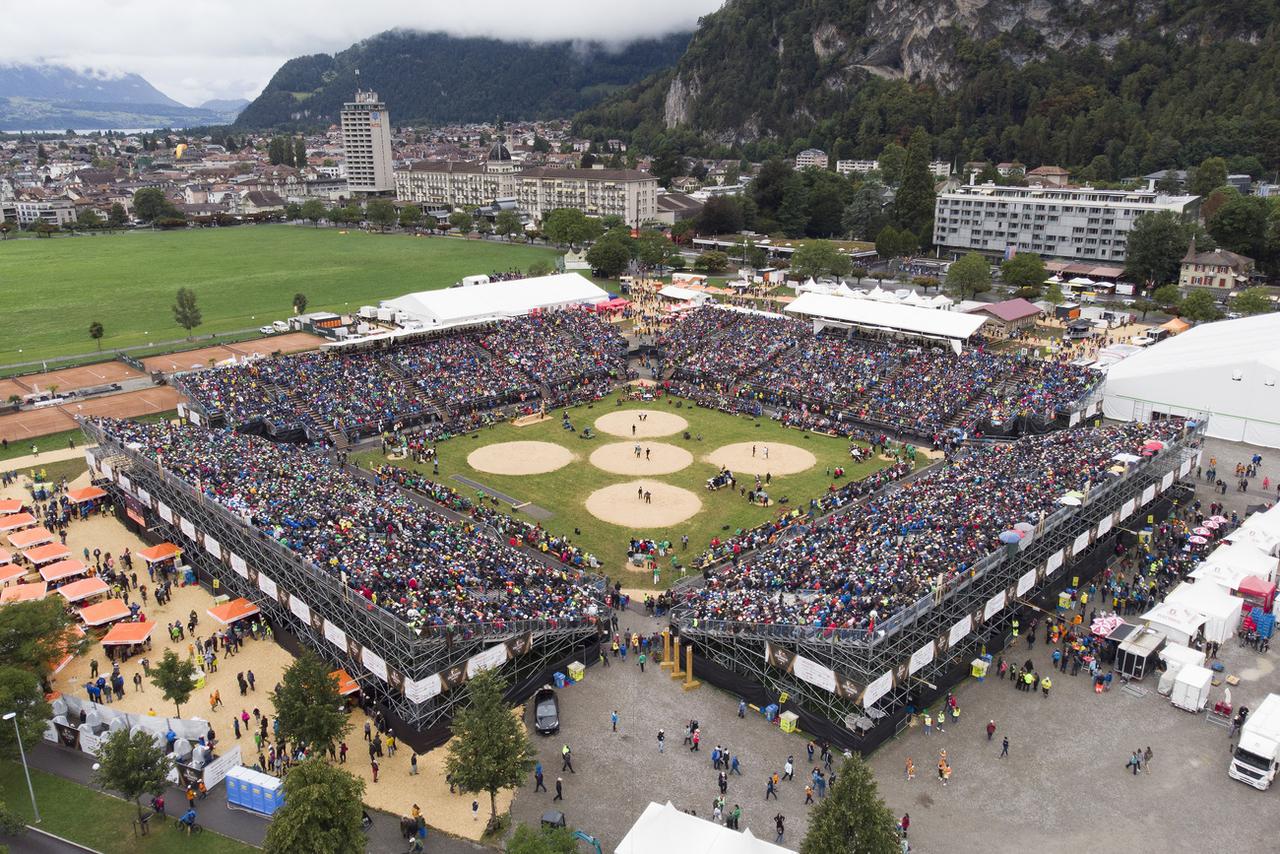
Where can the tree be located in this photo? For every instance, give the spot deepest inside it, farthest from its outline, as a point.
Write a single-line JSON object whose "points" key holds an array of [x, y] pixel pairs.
{"points": [[756, 257], [117, 216], [313, 211], [175, 677], [609, 257], [133, 765], [490, 747], [88, 218], [150, 203], [1155, 248], [892, 243], [852, 819], [1024, 271], [1211, 174], [793, 212], [1144, 305], [863, 217], [308, 705], [21, 691], [410, 216], [653, 249], [461, 222], [322, 811], [1167, 296], [95, 332], [541, 268], [720, 215], [299, 153], [711, 262], [969, 276], [292, 211], [1253, 301], [186, 312], [1199, 305], [820, 258], [892, 161], [544, 840], [508, 224], [1240, 225], [569, 226], [926, 283], [1054, 294], [381, 213], [299, 303], [913, 204], [36, 635]]}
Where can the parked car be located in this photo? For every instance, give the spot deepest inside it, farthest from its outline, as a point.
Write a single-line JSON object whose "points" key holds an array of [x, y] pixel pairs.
{"points": [[281, 326], [267, 330], [546, 711]]}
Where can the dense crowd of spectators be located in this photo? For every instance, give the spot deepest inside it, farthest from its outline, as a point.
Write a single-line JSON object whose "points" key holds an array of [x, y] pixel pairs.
{"points": [[574, 353], [718, 354], [856, 569], [425, 569]]}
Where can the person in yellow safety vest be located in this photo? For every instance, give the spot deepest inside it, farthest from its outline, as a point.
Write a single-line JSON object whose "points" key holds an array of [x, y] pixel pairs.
{"points": [[1015, 627], [1029, 679], [1045, 685]]}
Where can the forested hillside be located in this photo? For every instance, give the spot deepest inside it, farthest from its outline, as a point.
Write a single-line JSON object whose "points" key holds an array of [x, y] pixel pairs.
{"points": [[433, 77], [1122, 87]]}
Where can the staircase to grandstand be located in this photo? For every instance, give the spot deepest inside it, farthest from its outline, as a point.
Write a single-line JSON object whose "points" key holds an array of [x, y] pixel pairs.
{"points": [[432, 402], [336, 436]]}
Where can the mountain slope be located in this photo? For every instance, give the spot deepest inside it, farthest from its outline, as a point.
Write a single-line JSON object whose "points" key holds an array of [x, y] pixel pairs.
{"points": [[1143, 83], [438, 78], [48, 97]]}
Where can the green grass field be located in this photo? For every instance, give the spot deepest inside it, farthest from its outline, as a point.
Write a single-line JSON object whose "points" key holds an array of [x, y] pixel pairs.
{"points": [[99, 821], [243, 277], [564, 492]]}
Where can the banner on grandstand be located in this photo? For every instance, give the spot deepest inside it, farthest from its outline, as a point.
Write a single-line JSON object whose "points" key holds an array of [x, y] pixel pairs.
{"points": [[808, 670], [960, 630], [878, 689], [494, 656], [920, 658], [134, 510]]}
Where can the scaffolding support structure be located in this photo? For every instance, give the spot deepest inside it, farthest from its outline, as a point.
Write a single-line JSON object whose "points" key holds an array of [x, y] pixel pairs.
{"points": [[923, 649], [408, 654]]}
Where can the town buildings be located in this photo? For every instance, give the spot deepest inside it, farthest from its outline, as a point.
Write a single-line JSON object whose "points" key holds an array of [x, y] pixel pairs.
{"points": [[811, 158], [1218, 270], [1079, 223]]}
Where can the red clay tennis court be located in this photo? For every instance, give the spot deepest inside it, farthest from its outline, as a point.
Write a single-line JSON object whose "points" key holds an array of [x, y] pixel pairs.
{"points": [[129, 404], [198, 360], [84, 376]]}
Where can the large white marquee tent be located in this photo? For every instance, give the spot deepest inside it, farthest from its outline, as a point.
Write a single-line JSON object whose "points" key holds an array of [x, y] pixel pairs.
{"points": [[1226, 370], [496, 300], [663, 829]]}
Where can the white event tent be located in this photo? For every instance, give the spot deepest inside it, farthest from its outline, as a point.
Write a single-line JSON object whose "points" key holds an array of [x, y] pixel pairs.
{"points": [[663, 829], [1226, 370], [496, 300]]}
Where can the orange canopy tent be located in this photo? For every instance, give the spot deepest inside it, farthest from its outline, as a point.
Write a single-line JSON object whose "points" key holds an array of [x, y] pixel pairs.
{"points": [[159, 552], [89, 493], [32, 537], [10, 505], [73, 635], [104, 612], [229, 612], [23, 593], [68, 568], [14, 521], [85, 588], [346, 685], [47, 553], [126, 634], [11, 572]]}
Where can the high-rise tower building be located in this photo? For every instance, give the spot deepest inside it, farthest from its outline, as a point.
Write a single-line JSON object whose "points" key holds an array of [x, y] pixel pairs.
{"points": [[366, 138]]}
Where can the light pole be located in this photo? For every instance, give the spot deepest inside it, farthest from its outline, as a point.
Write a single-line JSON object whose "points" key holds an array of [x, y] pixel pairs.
{"points": [[13, 716]]}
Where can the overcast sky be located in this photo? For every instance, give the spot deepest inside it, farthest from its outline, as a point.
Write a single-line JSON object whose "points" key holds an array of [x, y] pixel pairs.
{"points": [[193, 50]]}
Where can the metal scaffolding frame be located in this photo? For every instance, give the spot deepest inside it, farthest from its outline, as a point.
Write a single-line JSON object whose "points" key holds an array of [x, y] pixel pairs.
{"points": [[408, 654], [863, 657]]}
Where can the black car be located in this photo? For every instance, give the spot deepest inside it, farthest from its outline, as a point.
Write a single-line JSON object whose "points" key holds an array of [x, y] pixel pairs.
{"points": [[546, 711]]}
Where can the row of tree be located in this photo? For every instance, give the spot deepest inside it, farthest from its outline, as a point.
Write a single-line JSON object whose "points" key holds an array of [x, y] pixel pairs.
{"points": [[286, 151]]}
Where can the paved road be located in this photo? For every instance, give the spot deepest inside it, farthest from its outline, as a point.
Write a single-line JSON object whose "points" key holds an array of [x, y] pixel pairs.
{"points": [[37, 842]]}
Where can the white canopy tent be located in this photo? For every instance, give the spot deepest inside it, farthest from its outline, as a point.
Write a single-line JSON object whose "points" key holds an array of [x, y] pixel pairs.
{"points": [[1221, 576], [663, 829], [954, 327], [1226, 370], [496, 300], [1221, 610], [1245, 559], [1175, 622]]}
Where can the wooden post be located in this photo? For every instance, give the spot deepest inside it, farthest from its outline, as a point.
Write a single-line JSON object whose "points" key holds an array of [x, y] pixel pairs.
{"points": [[676, 672], [666, 649], [689, 682]]}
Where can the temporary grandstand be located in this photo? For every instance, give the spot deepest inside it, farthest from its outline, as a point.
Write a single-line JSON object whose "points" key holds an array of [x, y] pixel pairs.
{"points": [[411, 668], [855, 685]]}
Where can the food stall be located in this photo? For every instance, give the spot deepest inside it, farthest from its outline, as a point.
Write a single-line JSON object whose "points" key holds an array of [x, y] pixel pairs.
{"points": [[1136, 656], [1178, 624], [1221, 611]]}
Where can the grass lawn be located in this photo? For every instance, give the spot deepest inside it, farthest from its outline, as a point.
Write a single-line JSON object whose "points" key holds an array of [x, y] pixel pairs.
{"points": [[565, 491], [243, 277], [100, 821]]}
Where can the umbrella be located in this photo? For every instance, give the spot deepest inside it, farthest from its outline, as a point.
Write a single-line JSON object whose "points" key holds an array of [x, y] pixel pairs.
{"points": [[1221, 520], [1024, 527], [1010, 537], [1209, 523], [1202, 532], [1199, 541], [1069, 500], [1153, 445]]}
